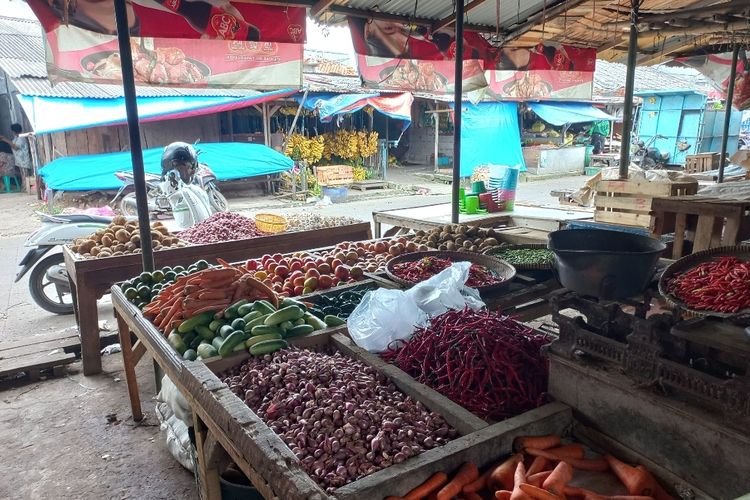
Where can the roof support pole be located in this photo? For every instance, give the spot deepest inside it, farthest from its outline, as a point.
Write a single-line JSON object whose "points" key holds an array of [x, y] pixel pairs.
{"points": [[457, 103], [728, 113], [627, 112], [136, 150]]}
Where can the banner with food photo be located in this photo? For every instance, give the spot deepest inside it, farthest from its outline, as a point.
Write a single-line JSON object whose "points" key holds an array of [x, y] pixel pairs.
{"points": [[204, 43], [717, 67], [397, 56], [543, 71]]}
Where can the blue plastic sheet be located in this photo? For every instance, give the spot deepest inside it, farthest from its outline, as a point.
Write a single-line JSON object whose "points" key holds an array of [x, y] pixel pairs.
{"points": [[490, 135], [228, 160], [560, 113], [396, 106]]}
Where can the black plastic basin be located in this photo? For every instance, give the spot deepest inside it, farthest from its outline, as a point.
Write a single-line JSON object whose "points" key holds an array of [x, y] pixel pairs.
{"points": [[604, 264]]}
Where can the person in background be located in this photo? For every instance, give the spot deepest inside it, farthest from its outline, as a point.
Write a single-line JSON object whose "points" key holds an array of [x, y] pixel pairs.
{"points": [[21, 152], [598, 131], [7, 162]]}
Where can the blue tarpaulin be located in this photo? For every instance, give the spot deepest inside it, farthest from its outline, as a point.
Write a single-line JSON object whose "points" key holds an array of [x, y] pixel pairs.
{"points": [[490, 134], [396, 106], [561, 113], [228, 160]]}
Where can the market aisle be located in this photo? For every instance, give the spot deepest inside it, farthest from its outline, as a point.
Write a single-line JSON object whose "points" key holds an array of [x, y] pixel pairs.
{"points": [[58, 443]]}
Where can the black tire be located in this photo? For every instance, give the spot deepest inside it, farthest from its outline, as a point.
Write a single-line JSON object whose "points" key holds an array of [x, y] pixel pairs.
{"points": [[36, 286], [217, 200]]}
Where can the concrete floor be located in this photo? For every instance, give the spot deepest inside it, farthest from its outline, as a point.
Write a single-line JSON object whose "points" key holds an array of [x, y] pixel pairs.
{"points": [[56, 441]]}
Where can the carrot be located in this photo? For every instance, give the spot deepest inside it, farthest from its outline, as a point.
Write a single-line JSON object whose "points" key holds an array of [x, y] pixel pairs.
{"points": [[393, 498], [466, 474], [193, 312], [502, 476], [558, 454], [519, 476], [479, 483], [212, 294], [538, 442], [502, 495], [537, 493], [471, 496], [176, 307], [538, 465], [561, 476], [431, 485], [590, 464], [637, 480], [538, 478]]}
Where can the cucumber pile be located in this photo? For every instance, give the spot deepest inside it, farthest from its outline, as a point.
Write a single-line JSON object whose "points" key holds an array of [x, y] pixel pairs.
{"points": [[256, 326], [146, 286], [340, 305]]}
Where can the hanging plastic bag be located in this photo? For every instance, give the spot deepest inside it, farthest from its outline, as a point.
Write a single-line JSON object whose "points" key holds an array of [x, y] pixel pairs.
{"points": [[386, 315]]}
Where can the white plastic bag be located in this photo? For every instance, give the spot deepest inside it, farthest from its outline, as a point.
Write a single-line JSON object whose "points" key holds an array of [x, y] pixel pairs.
{"points": [[386, 315], [172, 396]]}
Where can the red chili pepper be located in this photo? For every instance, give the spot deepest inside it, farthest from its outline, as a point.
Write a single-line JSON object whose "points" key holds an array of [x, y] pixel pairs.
{"points": [[721, 285]]}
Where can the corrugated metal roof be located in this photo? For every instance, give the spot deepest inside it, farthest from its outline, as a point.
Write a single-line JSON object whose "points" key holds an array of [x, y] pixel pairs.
{"points": [[609, 80], [16, 68]]}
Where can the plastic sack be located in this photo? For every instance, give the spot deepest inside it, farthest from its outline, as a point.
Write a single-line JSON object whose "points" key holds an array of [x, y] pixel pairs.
{"points": [[178, 436], [172, 396], [385, 315]]}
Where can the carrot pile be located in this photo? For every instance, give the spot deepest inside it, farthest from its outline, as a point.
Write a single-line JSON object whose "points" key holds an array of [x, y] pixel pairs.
{"points": [[541, 469], [207, 290]]}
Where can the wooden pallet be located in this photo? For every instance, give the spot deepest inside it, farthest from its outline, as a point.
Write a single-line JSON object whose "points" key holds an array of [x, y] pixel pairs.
{"points": [[334, 175], [33, 355], [701, 162], [705, 222], [628, 203], [365, 185]]}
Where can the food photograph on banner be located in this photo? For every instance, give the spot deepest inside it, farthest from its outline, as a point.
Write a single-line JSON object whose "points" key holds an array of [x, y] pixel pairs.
{"points": [[203, 43]]}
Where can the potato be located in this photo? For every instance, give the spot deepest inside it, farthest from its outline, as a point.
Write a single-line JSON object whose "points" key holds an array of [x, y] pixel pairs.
{"points": [[113, 228], [106, 241], [119, 220], [131, 226], [76, 248], [490, 242], [122, 236], [156, 236], [130, 246], [87, 245], [163, 230], [117, 253], [95, 251], [119, 247]]}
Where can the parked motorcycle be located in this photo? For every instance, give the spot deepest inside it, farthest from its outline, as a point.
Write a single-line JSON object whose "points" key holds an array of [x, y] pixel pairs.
{"points": [[48, 281], [648, 157]]}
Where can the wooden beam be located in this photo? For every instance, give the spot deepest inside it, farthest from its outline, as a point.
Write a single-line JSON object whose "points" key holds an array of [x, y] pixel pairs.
{"points": [[542, 16], [399, 18], [320, 7], [737, 6], [452, 18]]}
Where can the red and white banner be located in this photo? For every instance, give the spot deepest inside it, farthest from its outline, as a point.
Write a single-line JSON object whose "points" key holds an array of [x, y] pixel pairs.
{"points": [[717, 68], [203, 43]]}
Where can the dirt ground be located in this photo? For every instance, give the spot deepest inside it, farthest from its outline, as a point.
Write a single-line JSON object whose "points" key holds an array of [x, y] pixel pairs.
{"points": [[57, 442]]}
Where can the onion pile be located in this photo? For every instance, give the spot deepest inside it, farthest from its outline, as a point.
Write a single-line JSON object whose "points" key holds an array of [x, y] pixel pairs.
{"points": [[340, 417], [221, 226]]}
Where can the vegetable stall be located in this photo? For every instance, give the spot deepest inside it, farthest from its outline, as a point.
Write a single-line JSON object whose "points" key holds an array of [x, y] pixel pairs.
{"points": [[266, 352]]}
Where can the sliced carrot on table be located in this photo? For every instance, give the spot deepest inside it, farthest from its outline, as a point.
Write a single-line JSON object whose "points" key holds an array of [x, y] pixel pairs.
{"points": [[560, 477], [638, 481], [537, 493], [433, 483], [502, 476], [466, 474], [538, 465], [519, 477], [479, 483], [538, 478], [538, 442]]}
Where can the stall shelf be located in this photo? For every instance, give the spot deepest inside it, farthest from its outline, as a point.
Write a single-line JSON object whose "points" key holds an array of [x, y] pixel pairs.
{"points": [[90, 279]]}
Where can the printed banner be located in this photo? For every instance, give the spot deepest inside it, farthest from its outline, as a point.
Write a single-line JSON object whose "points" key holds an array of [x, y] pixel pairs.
{"points": [[717, 67], [199, 43]]}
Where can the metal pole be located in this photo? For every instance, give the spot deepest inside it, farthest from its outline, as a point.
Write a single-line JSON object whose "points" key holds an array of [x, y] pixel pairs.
{"points": [[627, 112], [728, 113], [136, 151], [296, 117], [457, 102]]}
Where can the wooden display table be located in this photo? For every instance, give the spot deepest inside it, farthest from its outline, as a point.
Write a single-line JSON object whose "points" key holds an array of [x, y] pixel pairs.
{"points": [[91, 279], [428, 217]]}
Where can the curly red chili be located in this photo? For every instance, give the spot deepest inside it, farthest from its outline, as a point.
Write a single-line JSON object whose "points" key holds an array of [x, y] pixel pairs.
{"points": [[721, 285]]}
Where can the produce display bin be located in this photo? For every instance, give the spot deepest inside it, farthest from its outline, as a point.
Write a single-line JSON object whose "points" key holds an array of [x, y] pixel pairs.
{"points": [[90, 279]]}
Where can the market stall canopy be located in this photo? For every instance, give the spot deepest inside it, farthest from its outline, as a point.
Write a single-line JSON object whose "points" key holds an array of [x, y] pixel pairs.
{"points": [[56, 114], [396, 106], [228, 160], [563, 113]]}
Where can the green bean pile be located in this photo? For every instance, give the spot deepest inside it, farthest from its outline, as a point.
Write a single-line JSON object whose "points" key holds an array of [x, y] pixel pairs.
{"points": [[526, 256]]}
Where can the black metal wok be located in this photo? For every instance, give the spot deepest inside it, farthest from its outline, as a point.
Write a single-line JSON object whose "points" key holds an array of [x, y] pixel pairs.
{"points": [[604, 264]]}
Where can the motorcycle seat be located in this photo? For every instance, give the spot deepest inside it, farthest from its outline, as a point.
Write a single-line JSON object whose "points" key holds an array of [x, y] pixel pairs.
{"points": [[76, 218]]}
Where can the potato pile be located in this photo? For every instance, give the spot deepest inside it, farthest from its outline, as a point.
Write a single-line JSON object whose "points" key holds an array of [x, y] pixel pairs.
{"points": [[458, 238], [122, 237]]}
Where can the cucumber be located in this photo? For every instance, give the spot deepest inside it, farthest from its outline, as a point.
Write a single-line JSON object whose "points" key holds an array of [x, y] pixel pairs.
{"points": [[216, 343], [231, 342], [260, 338], [315, 322], [264, 307], [264, 330], [231, 311], [289, 313], [205, 332], [331, 310], [299, 330], [196, 342], [247, 318], [238, 324], [244, 309], [225, 330], [199, 319], [190, 355], [215, 325], [333, 320], [239, 347], [257, 321], [177, 343], [291, 302], [189, 337], [286, 325], [267, 346], [298, 322], [206, 351]]}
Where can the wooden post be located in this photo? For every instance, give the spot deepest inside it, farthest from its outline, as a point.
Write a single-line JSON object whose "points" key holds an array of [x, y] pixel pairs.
{"points": [[436, 117], [627, 112], [457, 104], [266, 127], [728, 113], [129, 362], [230, 116]]}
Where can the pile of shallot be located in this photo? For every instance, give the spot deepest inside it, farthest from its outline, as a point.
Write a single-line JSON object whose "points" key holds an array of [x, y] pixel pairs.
{"points": [[221, 226], [340, 417]]}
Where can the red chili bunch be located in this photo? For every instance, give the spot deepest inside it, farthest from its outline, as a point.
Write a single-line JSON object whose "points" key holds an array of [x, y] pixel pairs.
{"points": [[722, 285], [484, 361], [427, 267]]}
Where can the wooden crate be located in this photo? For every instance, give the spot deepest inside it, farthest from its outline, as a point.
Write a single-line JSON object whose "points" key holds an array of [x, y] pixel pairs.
{"points": [[628, 203], [334, 175], [701, 162]]}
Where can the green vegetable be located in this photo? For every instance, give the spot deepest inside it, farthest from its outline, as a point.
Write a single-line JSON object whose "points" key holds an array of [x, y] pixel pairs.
{"points": [[257, 321], [265, 329], [205, 332], [264, 307], [202, 265], [226, 330], [291, 302], [231, 311], [526, 256], [215, 325], [244, 309], [315, 322], [267, 347], [207, 351], [189, 337], [177, 343], [299, 330], [216, 343], [334, 320], [260, 338], [238, 324], [286, 325], [289, 313], [231, 342], [190, 355], [251, 316], [199, 319], [300, 321], [196, 342], [131, 293]]}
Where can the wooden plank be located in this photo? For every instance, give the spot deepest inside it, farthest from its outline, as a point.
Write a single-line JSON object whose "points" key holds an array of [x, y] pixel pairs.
{"points": [[48, 340], [715, 334], [66, 345], [642, 188], [35, 362], [679, 236], [642, 220], [634, 203], [731, 231], [703, 232]]}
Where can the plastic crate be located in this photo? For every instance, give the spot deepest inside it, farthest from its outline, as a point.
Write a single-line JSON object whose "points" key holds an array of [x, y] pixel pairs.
{"points": [[336, 194]]}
